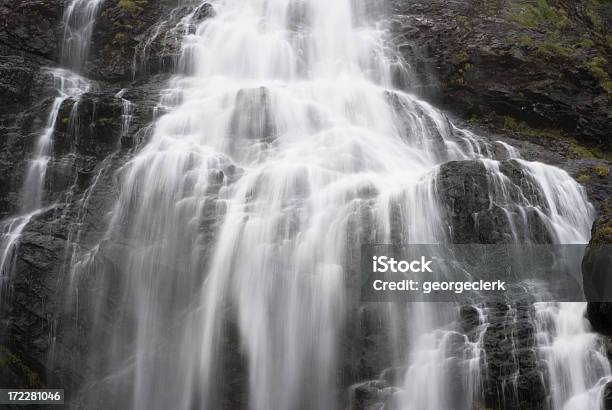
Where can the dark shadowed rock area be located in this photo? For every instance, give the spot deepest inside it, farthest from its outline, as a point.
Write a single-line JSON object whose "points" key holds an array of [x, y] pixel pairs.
{"points": [[596, 282], [476, 216], [91, 140], [535, 68]]}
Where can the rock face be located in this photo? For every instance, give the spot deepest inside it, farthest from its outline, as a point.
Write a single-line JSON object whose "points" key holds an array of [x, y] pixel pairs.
{"points": [[136, 39], [29, 33], [30, 27], [595, 270], [93, 137], [608, 397], [478, 213], [503, 62], [514, 373]]}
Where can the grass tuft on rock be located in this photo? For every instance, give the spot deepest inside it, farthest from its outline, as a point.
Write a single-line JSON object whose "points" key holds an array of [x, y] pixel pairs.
{"points": [[511, 124], [28, 378], [597, 68], [541, 14]]}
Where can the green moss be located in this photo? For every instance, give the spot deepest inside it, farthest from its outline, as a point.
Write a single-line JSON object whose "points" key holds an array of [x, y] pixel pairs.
{"points": [[583, 178], [463, 20], [512, 125], [586, 43], [541, 14], [550, 47], [601, 170], [579, 150], [461, 57], [134, 7], [120, 38], [526, 41], [129, 5], [104, 121], [597, 67], [595, 19], [585, 175], [607, 155], [602, 235], [28, 377]]}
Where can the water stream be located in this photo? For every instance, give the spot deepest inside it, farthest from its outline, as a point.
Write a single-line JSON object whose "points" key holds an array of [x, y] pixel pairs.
{"points": [[284, 147], [79, 18]]}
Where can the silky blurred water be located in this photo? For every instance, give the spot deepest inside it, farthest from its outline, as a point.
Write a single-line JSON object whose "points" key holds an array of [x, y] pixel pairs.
{"points": [[284, 146]]}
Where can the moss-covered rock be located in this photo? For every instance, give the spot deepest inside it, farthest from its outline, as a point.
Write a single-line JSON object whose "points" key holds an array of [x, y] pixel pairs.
{"points": [[544, 63], [602, 228], [14, 371], [140, 37]]}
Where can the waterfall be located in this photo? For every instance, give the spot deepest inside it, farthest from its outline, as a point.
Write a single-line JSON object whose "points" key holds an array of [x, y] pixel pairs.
{"points": [[228, 272], [79, 18], [576, 360], [127, 115]]}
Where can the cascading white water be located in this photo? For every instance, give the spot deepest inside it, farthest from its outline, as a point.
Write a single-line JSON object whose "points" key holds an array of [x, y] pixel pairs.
{"points": [[575, 358], [284, 148], [79, 18], [127, 115], [68, 85]]}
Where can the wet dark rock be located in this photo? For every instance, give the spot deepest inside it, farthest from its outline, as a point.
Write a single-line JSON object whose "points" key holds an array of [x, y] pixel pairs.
{"points": [[371, 395], [114, 38], [30, 26], [22, 81], [80, 188], [475, 216], [16, 372], [513, 375], [488, 62], [601, 233], [27, 319], [607, 397], [90, 126], [135, 39], [19, 133], [596, 272], [470, 318], [600, 316], [28, 44]]}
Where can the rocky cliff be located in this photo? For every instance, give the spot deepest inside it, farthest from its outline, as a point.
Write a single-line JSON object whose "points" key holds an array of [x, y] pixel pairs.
{"points": [[538, 69]]}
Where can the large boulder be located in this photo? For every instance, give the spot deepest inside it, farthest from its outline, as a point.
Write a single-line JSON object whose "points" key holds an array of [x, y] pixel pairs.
{"points": [[595, 270], [476, 201], [607, 397], [513, 372]]}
